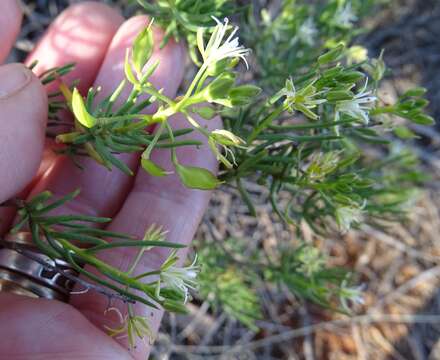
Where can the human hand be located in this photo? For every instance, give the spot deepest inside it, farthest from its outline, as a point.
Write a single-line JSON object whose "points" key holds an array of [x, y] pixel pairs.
{"points": [[94, 37]]}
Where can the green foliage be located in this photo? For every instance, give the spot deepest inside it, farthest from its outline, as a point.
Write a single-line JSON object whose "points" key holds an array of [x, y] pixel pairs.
{"points": [[77, 240], [228, 285], [299, 33], [182, 18], [320, 157], [304, 272], [231, 281], [315, 137], [64, 236], [318, 136], [102, 131]]}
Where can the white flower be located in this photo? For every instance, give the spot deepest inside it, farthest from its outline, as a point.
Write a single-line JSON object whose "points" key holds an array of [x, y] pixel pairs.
{"points": [[351, 295], [131, 327], [303, 100], [218, 152], [307, 32], [217, 48], [358, 107], [179, 278], [225, 140], [345, 16], [347, 215], [323, 164]]}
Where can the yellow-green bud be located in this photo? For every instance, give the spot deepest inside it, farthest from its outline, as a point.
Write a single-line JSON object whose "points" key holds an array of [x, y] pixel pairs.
{"points": [[80, 111]]}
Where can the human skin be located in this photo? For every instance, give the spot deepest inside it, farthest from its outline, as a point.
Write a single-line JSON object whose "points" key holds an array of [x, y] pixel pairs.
{"points": [[95, 37]]}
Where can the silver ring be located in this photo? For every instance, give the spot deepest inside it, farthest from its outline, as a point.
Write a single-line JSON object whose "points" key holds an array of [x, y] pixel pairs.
{"points": [[25, 271]]}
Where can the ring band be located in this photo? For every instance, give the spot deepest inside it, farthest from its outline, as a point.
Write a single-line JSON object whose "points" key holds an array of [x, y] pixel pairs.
{"points": [[25, 271]]}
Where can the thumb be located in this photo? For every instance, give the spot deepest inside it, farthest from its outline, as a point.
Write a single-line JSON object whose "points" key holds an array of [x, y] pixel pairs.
{"points": [[23, 115]]}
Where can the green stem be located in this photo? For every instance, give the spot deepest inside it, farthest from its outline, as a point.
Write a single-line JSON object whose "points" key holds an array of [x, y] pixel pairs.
{"points": [[149, 273], [198, 77], [153, 143], [152, 91], [265, 123], [129, 103], [173, 150], [132, 243], [196, 125], [106, 269], [113, 119]]}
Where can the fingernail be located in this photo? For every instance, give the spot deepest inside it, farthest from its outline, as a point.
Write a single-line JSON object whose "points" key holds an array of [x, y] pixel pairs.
{"points": [[13, 79]]}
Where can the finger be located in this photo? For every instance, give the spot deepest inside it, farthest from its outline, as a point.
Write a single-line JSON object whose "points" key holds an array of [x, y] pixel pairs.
{"points": [[10, 22], [47, 329], [81, 35], [160, 201], [23, 114], [103, 191]]}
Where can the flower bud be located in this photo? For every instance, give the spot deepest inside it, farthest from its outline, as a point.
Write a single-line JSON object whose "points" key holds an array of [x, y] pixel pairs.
{"points": [[205, 112], [219, 88], [332, 72], [142, 49], [80, 111], [339, 95], [152, 168], [423, 119], [221, 66], [67, 138], [242, 95], [376, 68], [421, 103], [226, 138], [415, 92], [332, 55], [350, 77], [174, 306], [404, 133], [197, 178], [129, 71]]}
